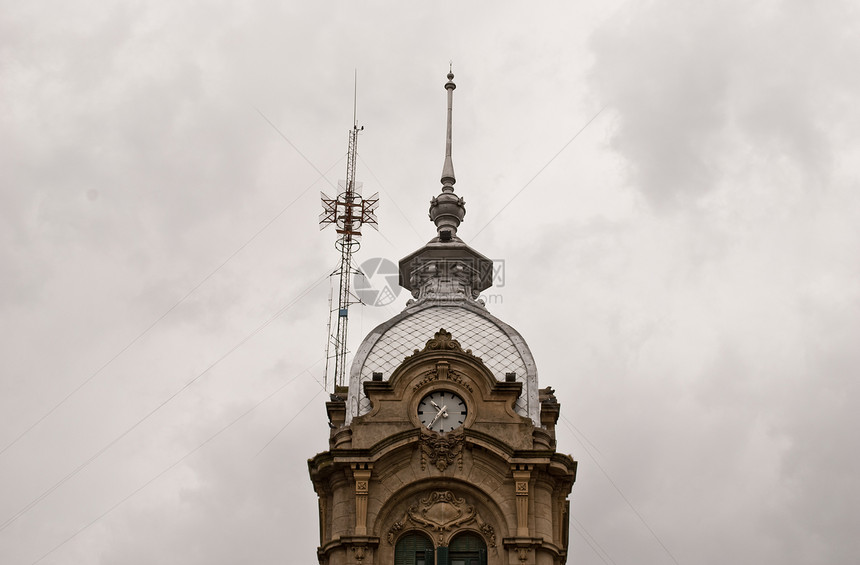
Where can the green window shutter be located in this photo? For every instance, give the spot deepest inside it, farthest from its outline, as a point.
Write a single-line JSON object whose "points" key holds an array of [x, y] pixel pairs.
{"points": [[411, 548], [442, 556], [482, 556], [466, 542]]}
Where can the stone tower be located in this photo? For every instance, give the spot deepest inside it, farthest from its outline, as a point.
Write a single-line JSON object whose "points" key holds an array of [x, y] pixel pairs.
{"points": [[442, 449]]}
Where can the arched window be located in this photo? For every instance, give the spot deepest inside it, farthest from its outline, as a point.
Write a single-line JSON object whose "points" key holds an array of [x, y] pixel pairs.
{"points": [[465, 549], [413, 549]]}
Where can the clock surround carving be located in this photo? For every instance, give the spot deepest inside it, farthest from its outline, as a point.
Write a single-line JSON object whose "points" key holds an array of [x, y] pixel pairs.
{"points": [[443, 371]]}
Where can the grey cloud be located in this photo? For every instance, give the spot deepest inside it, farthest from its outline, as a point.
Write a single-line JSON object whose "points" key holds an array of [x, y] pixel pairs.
{"points": [[697, 86]]}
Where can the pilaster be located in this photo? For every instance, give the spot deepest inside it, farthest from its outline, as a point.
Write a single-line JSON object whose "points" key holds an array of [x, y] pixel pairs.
{"points": [[361, 473], [522, 474]]}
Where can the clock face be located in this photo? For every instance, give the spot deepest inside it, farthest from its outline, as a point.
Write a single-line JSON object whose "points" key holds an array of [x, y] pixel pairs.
{"points": [[442, 411]]}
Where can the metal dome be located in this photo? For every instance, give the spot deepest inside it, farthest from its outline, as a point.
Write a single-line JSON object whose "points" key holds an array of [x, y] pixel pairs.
{"points": [[500, 347]]}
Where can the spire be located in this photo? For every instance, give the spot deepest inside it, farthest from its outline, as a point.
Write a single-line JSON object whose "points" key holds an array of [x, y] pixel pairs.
{"points": [[446, 270], [447, 210], [448, 179]]}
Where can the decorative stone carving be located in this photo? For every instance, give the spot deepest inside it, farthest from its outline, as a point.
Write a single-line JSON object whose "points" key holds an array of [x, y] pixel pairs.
{"points": [[442, 341], [429, 377], [393, 532], [523, 554], [361, 472], [522, 475], [547, 395], [442, 449], [440, 512], [490, 533], [443, 370], [459, 379]]}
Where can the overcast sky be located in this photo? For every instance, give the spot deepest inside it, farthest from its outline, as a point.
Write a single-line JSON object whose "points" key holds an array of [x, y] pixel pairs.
{"points": [[685, 271]]}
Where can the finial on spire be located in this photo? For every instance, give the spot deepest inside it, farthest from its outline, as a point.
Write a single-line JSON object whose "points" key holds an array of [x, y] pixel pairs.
{"points": [[447, 210], [448, 179]]}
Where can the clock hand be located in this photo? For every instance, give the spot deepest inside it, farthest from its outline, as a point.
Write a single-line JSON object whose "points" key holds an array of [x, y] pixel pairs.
{"points": [[433, 421], [436, 406], [443, 411]]}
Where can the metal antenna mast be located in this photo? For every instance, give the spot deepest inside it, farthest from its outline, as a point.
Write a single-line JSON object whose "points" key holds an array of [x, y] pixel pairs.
{"points": [[348, 211]]}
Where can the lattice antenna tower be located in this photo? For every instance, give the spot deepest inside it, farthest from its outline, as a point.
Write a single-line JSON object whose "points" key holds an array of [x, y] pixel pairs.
{"points": [[349, 211]]}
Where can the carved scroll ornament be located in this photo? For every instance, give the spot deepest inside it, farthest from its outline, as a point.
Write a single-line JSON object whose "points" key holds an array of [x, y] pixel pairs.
{"points": [[442, 341], [440, 512]]}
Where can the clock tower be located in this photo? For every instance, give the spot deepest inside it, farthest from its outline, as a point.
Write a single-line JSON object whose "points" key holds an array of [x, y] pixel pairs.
{"points": [[442, 449]]}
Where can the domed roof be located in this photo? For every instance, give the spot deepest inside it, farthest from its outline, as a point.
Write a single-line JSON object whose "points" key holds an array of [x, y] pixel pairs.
{"points": [[499, 346], [446, 277]]}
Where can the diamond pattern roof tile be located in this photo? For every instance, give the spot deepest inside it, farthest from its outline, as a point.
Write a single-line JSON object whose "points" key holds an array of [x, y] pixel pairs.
{"points": [[478, 333]]}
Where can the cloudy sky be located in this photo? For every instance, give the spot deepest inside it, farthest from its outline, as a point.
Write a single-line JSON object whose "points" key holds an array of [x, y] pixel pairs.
{"points": [[685, 270]]}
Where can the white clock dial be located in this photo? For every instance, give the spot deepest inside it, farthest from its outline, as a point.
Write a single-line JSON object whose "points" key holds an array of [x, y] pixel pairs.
{"points": [[442, 411]]}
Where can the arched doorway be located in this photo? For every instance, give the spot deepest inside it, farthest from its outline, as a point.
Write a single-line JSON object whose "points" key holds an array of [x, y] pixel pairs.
{"points": [[414, 549], [465, 549]]}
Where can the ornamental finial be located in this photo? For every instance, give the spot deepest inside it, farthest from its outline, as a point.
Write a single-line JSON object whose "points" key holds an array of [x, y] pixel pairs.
{"points": [[448, 179], [447, 210]]}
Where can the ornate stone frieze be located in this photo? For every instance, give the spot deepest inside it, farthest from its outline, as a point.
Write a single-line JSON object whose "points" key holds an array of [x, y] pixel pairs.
{"points": [[443, 371], [441, 450], [457, 377], [441, 512], [428, 378]]}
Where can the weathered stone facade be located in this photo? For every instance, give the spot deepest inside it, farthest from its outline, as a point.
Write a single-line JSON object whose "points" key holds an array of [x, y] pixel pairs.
{"points": [[498, 476]]}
